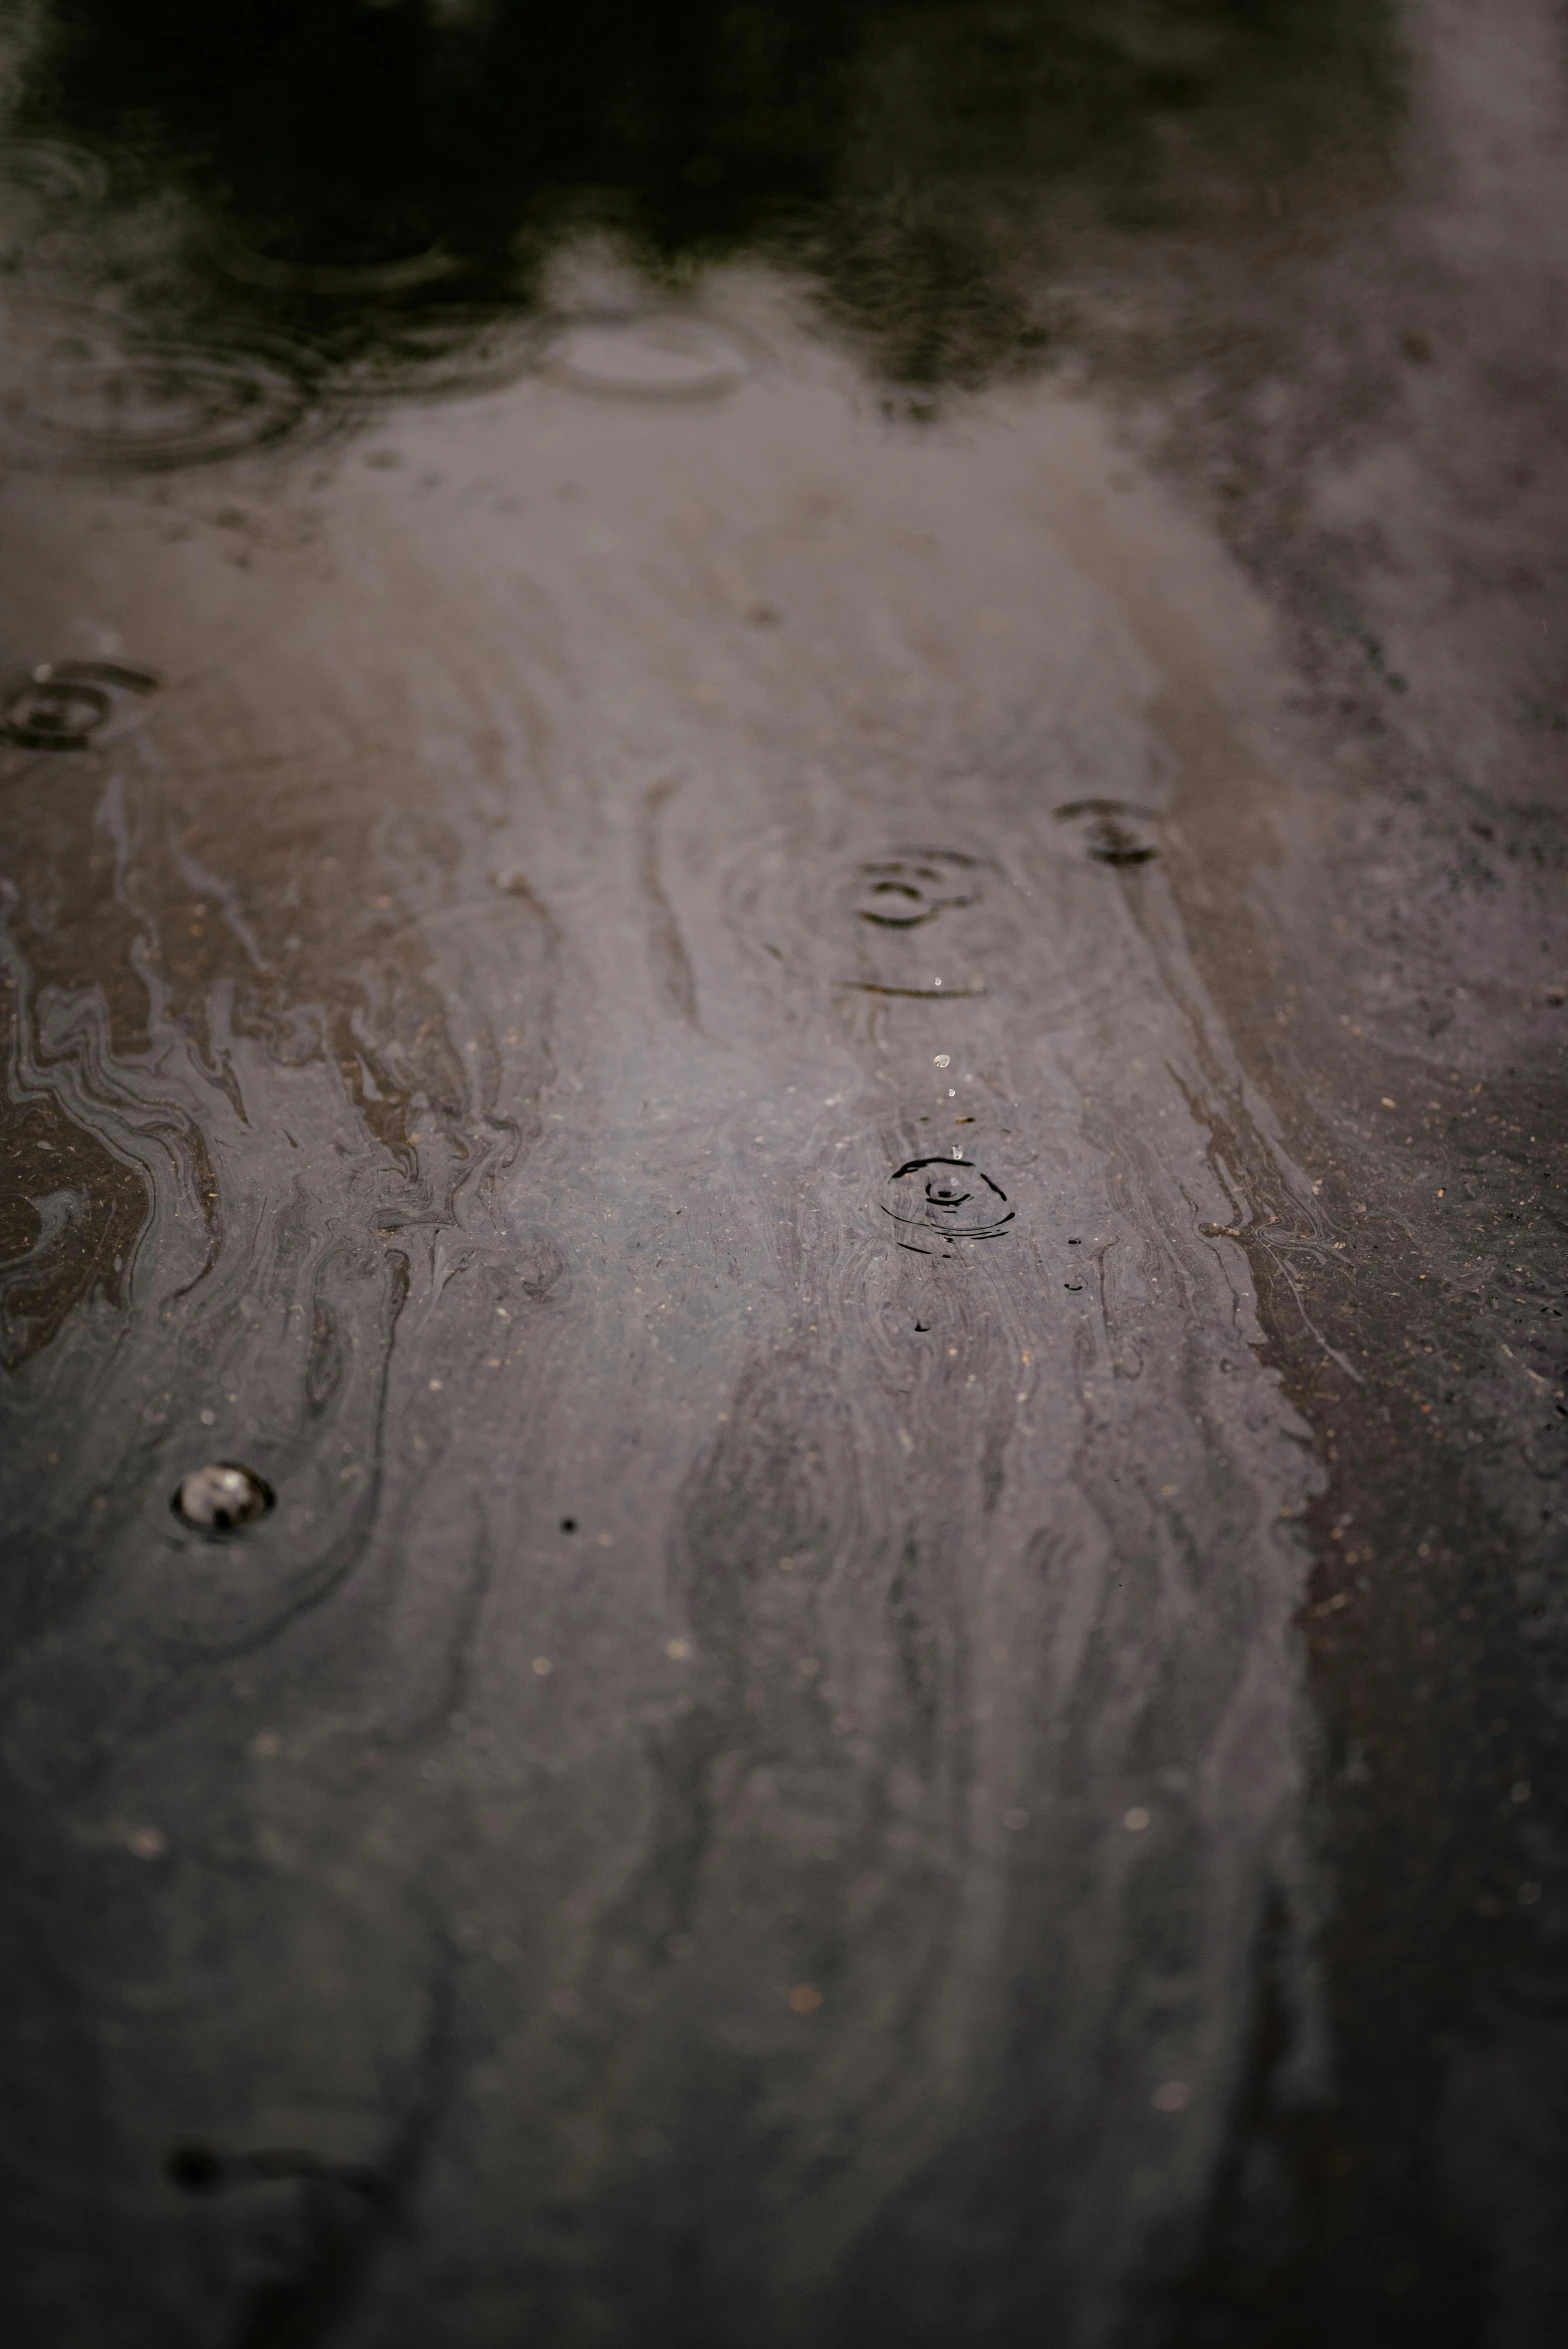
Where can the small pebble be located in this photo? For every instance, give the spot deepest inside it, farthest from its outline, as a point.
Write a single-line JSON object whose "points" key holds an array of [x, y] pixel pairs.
{"points": [[221, 1496]]}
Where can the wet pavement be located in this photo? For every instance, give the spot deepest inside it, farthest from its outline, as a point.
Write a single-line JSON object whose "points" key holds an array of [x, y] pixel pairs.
{"points": [[781, 1213]]}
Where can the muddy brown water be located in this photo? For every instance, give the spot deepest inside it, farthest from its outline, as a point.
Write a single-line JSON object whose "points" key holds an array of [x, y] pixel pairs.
{"points": [[782, 1193]]}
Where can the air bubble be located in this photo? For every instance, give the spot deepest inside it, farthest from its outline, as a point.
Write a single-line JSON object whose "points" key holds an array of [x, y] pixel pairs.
{"points": [[221, 1496], [654, 357]]}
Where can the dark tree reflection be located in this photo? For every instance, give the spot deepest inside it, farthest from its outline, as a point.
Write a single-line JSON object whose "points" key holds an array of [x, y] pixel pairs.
{"points": [[914, 159]]}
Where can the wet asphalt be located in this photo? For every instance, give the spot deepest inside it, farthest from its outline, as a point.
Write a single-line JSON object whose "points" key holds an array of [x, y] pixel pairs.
{"points": [[781, 1206]]}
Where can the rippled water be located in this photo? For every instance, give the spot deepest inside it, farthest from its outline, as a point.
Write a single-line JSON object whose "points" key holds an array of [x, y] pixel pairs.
{"points": [[778, 1228]]}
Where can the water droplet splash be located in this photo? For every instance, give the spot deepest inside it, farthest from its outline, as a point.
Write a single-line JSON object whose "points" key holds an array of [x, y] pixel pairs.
{"points": [[945, 1199]]}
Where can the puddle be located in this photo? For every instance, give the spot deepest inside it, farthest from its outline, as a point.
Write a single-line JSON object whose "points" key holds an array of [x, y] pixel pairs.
{"points": [[701, 556]]}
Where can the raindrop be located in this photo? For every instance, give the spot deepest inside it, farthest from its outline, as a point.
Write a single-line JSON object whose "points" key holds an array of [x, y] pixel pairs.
{"points": [[72, 705], [1112, 831], [221, 1496], [669, 356]]}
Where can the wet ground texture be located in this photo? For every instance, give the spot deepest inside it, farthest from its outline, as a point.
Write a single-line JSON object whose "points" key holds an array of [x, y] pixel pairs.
{"points": [[781, 1204]]}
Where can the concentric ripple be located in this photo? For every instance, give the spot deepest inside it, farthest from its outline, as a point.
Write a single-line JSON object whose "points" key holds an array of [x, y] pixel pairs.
{"points": [[936, 1201], [913, 923], [898, 920], [454, 352], [77, 396], [901, 892]]}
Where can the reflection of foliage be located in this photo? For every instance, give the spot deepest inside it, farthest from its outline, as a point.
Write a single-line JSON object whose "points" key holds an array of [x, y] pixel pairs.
{"points": [[911, 155]]}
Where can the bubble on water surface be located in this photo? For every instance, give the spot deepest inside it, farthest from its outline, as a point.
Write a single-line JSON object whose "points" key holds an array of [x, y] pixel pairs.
{"points": [[221, 1496], [668, 357], [944, 1199], [1112, 831], [73, 705], [82, 397]]}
